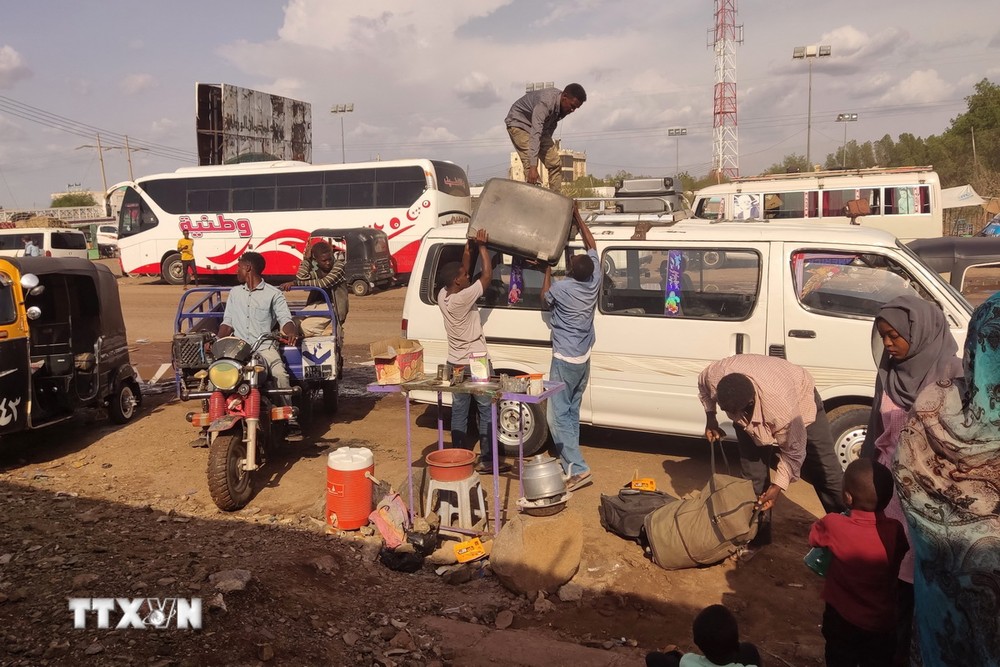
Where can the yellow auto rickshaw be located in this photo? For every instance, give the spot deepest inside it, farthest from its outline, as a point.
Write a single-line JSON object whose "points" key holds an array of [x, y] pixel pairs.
{"points": [[62, 343]]}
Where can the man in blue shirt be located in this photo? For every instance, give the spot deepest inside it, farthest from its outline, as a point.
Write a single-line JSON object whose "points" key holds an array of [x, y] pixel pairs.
{"points": [[572, 302], [252, 310], [30, 248], [532, 121]]}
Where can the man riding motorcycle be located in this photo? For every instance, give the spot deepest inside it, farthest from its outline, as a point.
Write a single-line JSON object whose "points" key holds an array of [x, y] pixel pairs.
{"points": [[251, 311]]}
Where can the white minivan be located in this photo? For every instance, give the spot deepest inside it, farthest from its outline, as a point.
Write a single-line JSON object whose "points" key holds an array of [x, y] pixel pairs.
{"points": [[804, 292], [53, 241]]}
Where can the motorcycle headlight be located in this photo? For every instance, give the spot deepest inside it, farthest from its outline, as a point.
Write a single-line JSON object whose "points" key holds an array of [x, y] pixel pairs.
{"points": [[224, 374]]}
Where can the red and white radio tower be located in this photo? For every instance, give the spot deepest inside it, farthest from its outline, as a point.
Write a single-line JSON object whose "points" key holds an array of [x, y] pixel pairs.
{"points": [[724, 38]]}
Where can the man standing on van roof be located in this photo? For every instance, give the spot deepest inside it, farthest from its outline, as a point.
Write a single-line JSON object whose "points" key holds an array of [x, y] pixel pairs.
{"points": [[457, 301], [572, 302], [773, 404], [532, 121]]}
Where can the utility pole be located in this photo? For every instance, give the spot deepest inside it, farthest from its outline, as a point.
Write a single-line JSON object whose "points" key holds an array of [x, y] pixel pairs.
{"points": [[128, 152], [100, 155]]}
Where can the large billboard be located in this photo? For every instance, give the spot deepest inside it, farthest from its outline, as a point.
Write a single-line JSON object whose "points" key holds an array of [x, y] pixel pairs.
{"points": [[236, 124]]}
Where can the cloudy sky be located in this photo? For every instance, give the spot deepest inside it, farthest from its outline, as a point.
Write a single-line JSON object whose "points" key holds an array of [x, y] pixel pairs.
{"points": [[435, 79]]}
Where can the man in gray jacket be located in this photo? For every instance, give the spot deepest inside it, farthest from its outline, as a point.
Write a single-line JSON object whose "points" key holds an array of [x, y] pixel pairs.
{"points": [[531, 123]]}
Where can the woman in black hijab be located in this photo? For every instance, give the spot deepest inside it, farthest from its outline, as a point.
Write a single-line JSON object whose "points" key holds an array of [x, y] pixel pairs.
{"points": [[919, 350]]}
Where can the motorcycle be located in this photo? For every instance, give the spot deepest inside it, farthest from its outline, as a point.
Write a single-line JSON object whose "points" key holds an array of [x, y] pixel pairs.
{"points": [[239, 418], [242, 419]]}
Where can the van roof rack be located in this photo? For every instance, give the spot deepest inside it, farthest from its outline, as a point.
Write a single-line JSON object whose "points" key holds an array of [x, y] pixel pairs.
{"points": [[864, 171], [604, 215]]}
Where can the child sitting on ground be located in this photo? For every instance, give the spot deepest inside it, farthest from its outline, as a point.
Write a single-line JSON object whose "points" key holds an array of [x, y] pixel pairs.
{"points": [[866, 548], [717, 635]]}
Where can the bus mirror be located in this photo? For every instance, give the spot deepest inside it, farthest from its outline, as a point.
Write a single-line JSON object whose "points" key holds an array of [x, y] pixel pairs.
{"points": [[33, 313]]}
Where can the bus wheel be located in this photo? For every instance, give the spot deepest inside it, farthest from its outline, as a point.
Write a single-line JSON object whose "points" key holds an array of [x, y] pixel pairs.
{"points": [[172, 270], [360, 288]]}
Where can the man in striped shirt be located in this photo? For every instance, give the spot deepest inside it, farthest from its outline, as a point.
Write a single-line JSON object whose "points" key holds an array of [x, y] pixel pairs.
{"points": [[319, 268], [775, 408]]}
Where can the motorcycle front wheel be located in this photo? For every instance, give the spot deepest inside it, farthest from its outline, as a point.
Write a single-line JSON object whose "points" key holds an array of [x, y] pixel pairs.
{"points": [[230, 486]]}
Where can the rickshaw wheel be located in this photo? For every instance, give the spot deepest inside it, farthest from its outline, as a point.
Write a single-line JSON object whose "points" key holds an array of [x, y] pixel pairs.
{"points": [[360, 288], [229, 485], [123, 403], [331, 396]]}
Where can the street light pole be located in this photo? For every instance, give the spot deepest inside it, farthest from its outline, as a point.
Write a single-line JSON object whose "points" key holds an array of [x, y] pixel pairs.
{"points": [[340, 110], [845, 118], [808, 52], [677, 133]]}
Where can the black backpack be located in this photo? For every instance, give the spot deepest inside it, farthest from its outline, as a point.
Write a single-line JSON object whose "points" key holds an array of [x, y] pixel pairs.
{"points": [[625, 513]]}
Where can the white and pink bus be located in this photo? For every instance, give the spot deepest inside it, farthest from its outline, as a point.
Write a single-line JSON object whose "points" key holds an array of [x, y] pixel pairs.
{"points": [[271, 207]]}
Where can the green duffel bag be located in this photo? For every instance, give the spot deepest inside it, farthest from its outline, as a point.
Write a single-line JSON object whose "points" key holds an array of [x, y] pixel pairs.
{"points": [[707, 529]]}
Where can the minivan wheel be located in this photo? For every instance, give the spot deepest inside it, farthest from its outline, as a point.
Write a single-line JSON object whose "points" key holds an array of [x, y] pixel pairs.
{"points": [[172, 269], [848, 425], [536, 429], [360, 288]]}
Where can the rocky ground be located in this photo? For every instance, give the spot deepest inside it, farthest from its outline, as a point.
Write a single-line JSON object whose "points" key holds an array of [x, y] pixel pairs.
{"points": [[90, 510]]}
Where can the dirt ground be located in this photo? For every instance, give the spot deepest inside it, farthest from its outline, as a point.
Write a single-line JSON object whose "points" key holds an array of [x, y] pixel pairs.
{"points": [[93, 510]]}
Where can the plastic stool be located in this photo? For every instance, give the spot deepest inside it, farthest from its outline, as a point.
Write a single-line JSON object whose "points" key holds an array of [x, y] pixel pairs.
{"points": [[459, 504]]}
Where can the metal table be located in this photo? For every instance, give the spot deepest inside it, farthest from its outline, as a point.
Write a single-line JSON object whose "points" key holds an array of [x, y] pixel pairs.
{"points": [[489, 389]]}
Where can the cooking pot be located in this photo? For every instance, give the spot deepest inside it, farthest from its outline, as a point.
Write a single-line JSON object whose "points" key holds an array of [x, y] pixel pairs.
{"points": [[542, 478]]}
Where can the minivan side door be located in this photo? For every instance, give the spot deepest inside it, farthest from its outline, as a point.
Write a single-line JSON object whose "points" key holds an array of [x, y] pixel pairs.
{"points": [[665, 314]]}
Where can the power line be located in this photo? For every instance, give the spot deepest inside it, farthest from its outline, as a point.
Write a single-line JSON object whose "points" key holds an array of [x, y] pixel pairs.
{"points": [[55, 121]]}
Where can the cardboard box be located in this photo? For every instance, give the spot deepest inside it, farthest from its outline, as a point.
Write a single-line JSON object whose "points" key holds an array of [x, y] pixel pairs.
{"points": [[397, 360]]}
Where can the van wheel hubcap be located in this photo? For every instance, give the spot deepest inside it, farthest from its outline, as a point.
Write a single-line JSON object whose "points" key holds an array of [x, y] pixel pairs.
{"points": [[849, 446], [507, 420]]}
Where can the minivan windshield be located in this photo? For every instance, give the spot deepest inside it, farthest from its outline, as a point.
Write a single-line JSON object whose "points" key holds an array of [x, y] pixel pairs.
{"points": [[959, 297]]}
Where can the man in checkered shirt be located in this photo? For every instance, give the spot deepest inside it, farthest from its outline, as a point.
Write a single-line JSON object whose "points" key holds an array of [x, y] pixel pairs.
{"points": [[776, 410]]}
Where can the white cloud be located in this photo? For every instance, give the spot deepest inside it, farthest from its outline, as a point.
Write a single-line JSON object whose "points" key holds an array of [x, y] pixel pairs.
{"points": [[919, 87], [565, 10], [12, 67], [80, 86], [162, 127], [337, 26], [476, 90], [431, 134], [136, 83]]}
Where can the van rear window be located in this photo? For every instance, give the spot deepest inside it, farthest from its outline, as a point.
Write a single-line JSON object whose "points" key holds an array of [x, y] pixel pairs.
{"points": [[68, 241]]}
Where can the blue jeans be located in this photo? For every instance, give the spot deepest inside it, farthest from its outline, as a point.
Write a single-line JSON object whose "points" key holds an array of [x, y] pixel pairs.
{"points": [[563, 413], [460, 407]]}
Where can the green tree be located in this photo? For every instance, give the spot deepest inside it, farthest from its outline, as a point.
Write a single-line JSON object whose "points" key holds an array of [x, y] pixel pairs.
{"points": [[791, 164], [980, 122], [72, 199]]}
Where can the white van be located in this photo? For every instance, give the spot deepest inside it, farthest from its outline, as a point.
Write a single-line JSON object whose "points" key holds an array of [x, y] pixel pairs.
{"points": [[804, 292], [53, 241]]}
